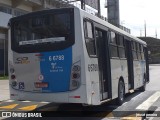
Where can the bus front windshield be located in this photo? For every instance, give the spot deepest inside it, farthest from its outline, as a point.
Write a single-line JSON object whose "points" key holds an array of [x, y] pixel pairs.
{"points": [[36, 32]]}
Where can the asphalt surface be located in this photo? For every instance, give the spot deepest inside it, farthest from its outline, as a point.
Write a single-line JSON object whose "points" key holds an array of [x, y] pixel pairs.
{"points": [[4, 90], [150, 98]]}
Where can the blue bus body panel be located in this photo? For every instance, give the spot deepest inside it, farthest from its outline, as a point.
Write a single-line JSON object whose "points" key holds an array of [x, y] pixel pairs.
{"points": [[56, 70]]}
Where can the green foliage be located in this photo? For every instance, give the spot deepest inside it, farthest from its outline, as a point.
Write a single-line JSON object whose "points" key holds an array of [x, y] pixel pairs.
{"points": [[3, 77]]}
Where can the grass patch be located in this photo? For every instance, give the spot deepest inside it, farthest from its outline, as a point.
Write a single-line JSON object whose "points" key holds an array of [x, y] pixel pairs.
{"points": [[3, 77]]}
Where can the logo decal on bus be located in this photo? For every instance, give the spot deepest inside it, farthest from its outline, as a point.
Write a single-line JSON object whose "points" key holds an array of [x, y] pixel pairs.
{"points": [[92, 67], [56, 68], [22, 60]]}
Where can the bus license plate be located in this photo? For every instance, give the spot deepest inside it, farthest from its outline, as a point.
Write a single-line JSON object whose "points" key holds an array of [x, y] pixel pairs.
{"points": [[41, 85]]}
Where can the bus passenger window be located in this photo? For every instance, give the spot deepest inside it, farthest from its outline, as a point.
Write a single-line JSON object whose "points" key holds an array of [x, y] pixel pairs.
{"points": [[113, 38], [113, 45], [114, 52], [89, 30], [90, 41], [138, 51], [121, 48], [121, 41], [133, 46], [142, 52], [121, 52], [134, 53]]}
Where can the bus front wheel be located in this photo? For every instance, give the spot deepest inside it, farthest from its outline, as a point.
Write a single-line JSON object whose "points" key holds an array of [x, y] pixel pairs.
{"points": [[121, 93]]}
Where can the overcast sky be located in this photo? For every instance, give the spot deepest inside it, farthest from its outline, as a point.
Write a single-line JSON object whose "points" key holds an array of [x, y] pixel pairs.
{"points": [[134, 13]]}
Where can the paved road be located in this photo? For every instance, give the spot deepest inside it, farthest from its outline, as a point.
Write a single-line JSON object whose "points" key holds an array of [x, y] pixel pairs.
{"points": [[154, 84], [137, 101], [4, 90]]}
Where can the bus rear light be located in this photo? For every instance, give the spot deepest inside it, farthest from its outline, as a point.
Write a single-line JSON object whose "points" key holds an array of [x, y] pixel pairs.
{"points": [[75, 76], [13, 77], [76, 68], [75, 96]]}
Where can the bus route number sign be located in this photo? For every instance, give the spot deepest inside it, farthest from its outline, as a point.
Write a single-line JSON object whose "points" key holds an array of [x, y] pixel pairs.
{"points": [[56, 58]]}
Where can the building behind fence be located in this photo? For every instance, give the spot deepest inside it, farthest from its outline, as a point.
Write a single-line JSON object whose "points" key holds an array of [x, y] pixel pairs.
{"points": [[12, 8]]}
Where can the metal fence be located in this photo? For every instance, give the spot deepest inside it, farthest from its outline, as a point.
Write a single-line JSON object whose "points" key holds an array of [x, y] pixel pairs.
{"points": [[3, 54]]}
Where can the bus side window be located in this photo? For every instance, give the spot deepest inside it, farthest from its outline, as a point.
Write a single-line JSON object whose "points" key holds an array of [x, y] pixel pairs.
{"points": [[142, 52], [113, 45], [90, 41], [138, 51], [113, 39], [121, 47], [134, 53]]}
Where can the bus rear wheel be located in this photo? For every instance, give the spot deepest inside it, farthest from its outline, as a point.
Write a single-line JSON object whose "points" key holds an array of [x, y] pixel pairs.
{"points": [[121, 93]]}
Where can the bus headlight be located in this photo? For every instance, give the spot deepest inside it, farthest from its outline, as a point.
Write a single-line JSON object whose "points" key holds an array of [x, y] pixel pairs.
{"points": [[75, 76], [13, 77]]}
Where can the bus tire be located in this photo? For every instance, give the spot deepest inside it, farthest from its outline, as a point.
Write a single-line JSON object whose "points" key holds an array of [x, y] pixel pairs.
{"points": [[121, 93]]}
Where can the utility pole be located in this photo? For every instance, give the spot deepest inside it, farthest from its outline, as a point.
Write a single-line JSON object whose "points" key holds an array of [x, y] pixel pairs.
{"points": [[145, 31], [83, 4], [99, 8]]}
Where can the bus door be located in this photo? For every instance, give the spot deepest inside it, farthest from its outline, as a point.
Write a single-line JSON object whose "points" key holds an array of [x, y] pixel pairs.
{"points": [[130, 65], [103, 62]]}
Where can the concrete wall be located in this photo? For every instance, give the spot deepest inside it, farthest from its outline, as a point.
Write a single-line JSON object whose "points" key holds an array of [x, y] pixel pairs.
{"points": [[6, 2], [25, 7]]}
